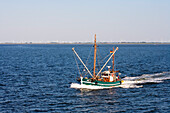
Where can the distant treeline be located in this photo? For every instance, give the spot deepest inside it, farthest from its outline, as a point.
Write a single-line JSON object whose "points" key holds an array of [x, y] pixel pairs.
{"points": [[89, 43]]}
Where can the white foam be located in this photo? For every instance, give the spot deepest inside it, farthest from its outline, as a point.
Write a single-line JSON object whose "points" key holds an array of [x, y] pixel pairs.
{"points": [[132, 82]]}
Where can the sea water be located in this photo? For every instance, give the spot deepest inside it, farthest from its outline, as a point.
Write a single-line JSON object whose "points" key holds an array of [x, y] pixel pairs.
{"points": [[37, 78]]}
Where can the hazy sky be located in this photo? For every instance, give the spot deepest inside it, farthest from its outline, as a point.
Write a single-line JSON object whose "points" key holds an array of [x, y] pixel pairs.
{"points": [[79, 20]]}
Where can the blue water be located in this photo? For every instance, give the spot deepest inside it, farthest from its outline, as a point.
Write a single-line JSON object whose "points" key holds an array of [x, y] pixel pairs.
{"points": [[37, 78]]}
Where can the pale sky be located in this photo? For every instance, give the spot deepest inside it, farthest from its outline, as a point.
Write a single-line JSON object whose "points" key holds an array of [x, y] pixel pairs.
{"points": [[79, 20]]}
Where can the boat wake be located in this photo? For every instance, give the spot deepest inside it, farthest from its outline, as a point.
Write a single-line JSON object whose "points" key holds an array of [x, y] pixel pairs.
{"points": [[131, 82], [139, 81]]}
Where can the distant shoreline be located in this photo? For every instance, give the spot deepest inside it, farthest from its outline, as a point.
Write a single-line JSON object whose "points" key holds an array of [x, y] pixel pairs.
{"points": [[84, 43]]}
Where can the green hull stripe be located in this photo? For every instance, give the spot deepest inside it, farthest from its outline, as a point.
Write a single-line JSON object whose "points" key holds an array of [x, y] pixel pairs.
{"points": [[101, 83]]}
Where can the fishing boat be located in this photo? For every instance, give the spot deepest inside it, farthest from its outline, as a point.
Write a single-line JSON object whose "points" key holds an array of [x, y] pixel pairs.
{"points": [[101, 79]]}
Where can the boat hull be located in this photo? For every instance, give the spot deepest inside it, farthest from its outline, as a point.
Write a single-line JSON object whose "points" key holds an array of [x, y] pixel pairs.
{"points": [[101, 83]]}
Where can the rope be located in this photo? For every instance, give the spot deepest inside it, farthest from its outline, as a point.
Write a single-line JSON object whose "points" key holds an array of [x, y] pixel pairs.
{"points": [[87, 72], [98, 59], [88, 59], [105, 57], [89, 55], [115, 63], [77, 64]]}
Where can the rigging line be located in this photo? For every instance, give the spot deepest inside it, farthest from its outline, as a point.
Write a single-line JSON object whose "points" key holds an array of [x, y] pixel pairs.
{"points": [[115, 63], [98, 59], [89, 55], [77, 64], [105, 57], [99, 54], [88, 58], [87, 72]]}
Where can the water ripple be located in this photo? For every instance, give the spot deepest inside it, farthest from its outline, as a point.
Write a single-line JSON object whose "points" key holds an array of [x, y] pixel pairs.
{"points": [[37, 78]]}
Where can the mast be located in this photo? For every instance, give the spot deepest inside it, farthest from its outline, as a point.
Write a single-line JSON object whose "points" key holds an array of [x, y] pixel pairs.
{"points": [[95, 49], [113, 62]]}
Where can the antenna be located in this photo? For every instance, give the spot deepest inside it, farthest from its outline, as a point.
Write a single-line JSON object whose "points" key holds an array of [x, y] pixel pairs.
{"points": [[108, 67]]}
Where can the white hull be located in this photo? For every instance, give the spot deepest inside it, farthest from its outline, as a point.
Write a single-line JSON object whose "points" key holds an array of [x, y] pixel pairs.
{"points": [[83, 86]]}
